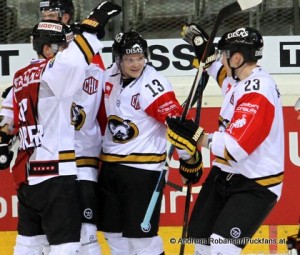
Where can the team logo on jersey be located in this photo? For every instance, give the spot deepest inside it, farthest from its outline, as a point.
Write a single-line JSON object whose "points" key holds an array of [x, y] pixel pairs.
{"points": [[122, 130], [135, 103], [90, 85], [78, 116], [108, 89]]}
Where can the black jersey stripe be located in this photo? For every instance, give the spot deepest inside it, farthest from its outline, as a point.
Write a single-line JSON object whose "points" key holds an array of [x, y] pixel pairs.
{"points": [[85, 48]]}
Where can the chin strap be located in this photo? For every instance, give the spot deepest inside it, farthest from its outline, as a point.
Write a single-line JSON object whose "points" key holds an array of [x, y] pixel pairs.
{"points": [[235, 68]]}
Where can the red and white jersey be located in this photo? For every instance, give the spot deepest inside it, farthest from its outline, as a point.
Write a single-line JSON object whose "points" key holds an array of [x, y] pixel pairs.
{"points": [[44, 94], [88, 138], [250, 140], [135, 134]]}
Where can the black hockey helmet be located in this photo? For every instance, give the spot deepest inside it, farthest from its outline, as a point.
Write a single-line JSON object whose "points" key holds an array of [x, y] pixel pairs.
{"points": [[50, 32], [63, 6], [245, 40], [129, 43]]}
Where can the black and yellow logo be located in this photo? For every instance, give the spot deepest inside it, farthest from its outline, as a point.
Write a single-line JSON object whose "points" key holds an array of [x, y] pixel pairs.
{"points": [[78, 116], [122, 130]]}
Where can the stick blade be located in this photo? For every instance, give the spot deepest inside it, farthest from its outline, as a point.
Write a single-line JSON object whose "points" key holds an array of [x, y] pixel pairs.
{"points": [[247, 4]]}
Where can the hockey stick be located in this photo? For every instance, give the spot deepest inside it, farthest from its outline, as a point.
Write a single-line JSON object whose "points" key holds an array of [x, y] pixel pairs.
{"points": [[145, 225], [185, 217], [239, 5], [174, 186], [184, 234], [226, 11]]}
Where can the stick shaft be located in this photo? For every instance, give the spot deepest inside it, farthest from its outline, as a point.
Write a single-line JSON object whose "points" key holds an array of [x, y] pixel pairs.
{"points": [[186, 217]]}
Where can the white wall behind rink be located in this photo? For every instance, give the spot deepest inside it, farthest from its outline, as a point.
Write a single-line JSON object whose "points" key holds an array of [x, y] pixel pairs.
{"points": [[289, 87], [281, 57]]}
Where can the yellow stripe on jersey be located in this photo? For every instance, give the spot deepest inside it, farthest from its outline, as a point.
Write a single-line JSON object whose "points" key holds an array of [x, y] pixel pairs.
{"points": [[228, 156], [222, 161], [87, 162], [134, 158], [270, 181], [221, 76], [8, 108], [85, 48], [65, 156]]}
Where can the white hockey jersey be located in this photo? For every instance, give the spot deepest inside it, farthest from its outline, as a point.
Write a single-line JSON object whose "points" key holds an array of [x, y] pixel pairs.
{"points": [[250, 140], [136, 134], [44, 94], [88, 138]]}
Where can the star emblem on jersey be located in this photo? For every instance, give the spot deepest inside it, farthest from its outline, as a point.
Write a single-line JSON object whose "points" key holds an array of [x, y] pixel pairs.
{"points": [[122, 130]]}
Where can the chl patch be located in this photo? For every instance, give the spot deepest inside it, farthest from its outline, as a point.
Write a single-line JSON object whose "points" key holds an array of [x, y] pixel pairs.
{"points": [[90, 85], [135, 103]]}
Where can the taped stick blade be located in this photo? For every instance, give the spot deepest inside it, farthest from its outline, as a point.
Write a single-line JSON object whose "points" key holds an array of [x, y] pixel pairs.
{"points": [[247, 4]]}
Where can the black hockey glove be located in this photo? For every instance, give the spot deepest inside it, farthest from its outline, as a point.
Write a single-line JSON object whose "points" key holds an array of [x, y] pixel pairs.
{"points": [[98, 18], [192, 172], [6, 91], [183, 135], [6, 154], [197, 37]]}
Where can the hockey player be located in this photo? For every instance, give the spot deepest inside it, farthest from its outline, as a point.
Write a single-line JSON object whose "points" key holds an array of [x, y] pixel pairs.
{"points": [[245, 180], [62, 10], [47, 137], [87, 134], [137, 101], [88, 140]]}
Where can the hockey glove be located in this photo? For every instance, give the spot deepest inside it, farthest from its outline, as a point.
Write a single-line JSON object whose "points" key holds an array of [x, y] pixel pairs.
{"points": [[183, 135], [191, 172], [6, 154], [6, 91], [197, 37], [98, 18]]}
